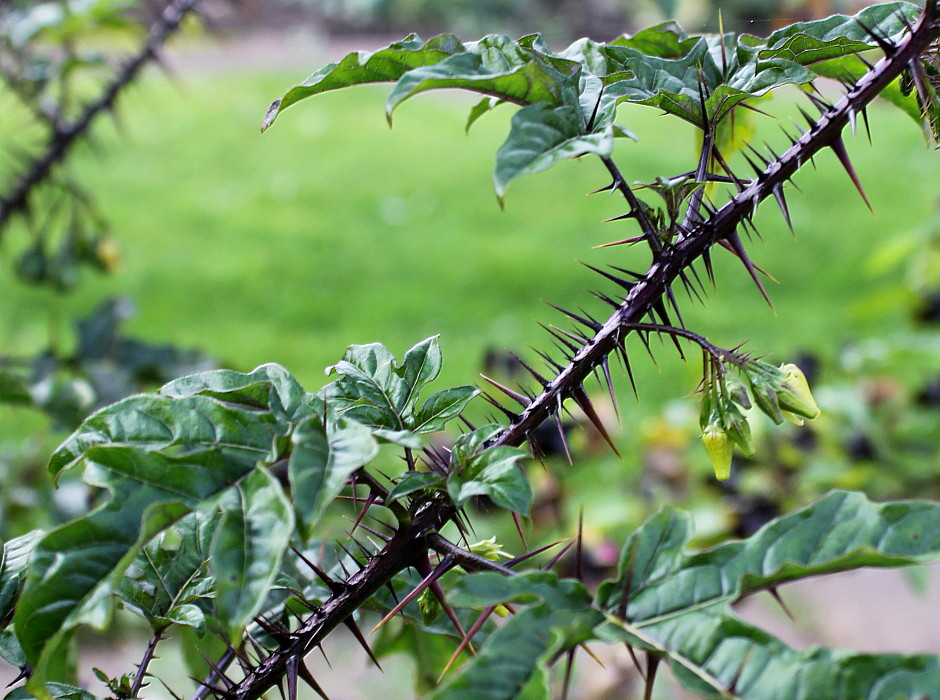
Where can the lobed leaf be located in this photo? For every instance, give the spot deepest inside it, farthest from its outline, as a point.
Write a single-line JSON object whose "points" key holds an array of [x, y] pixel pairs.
{"points": [[411, 482], [360, 67], [809, 43], [540, 136], [499, 67], [268, 387], [189, 425]]}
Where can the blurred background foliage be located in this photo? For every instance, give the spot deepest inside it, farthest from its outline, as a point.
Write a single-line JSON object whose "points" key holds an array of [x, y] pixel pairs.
{"points": [[289, 247]]}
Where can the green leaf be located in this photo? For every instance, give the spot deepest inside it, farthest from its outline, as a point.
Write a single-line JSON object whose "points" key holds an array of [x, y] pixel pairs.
{"points": [[247, 549], [168, 581], [13, 569], [375, 391], [666, 40], [188, 425], [678, 602], [518, 653], [208, 448], [485, 105], [360, 67], [676, 85], [321, 461], [411, 482], [540, 136], [59, 691], [496, 66], [443, 406], [810, 43], [269, 387], [494, 473]]}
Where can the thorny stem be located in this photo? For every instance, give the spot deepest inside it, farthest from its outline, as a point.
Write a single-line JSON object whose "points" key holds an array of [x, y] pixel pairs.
{"points": [[636, 208], [700, 340], [144, 663], [65, 135], [692, 213], [466, 558], [402, 551]]}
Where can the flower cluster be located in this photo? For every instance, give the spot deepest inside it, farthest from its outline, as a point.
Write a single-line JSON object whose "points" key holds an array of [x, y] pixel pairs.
{"points": [[780, 392]]}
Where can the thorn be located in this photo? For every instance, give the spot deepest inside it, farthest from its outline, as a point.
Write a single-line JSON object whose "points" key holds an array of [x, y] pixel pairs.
{"points": [[760, 156], [569, 665], [652, 665], [607, 188], [292, 672], [776, 595], [513, 417], [357, 633], [517, 521], [605, 367], [625, 284], [707, 259], [515, 396], [335, 586], [867, 125], [561, 431], [734, 240], [883, 43], [636, 661], [782, 203], [579, 548], [566, 345], [308, 678], [465, 641], [548, 359], [593, 325], [629, 215], [838, 147], [538, 377], [584, 403]]}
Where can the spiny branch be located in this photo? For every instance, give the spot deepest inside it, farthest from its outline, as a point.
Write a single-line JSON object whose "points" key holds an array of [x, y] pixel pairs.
{"points": [[721, 225], [402, 551], [65, 135]]}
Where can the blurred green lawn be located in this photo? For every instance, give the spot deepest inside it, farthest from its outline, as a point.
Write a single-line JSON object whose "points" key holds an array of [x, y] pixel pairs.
{"points": [[332, 229]]}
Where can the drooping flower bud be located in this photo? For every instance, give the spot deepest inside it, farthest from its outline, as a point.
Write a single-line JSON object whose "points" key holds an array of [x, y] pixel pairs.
{"points": [[719, 448], [735, 424], [794, 394], [736, 390]]}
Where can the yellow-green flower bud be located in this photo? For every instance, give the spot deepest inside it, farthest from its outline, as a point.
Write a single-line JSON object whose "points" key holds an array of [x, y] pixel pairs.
{"points": [[794, 394], [719, 448], [490, 549]]}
